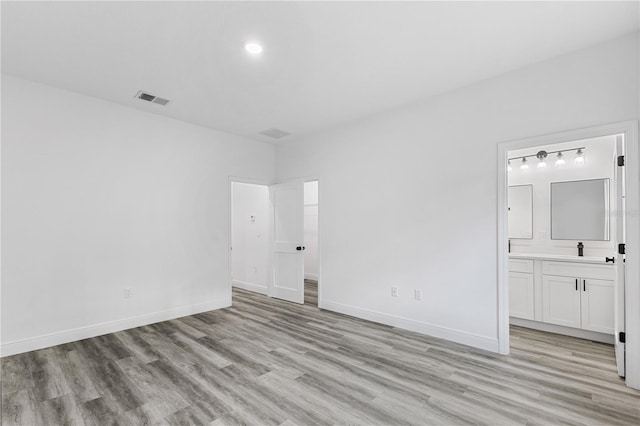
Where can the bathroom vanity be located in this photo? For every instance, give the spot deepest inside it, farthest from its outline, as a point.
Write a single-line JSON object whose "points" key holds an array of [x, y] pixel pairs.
{"points": [[563, 294]]}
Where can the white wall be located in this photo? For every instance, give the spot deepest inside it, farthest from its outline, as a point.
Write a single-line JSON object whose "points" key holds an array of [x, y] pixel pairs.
{"points": [[250, 237], [599, 164], [311, 230], [98, 197], [409, 197]]}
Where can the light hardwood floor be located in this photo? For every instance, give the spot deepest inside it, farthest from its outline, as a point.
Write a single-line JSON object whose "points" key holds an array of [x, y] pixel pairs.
{"points": [[311, 293], [269, 362]]}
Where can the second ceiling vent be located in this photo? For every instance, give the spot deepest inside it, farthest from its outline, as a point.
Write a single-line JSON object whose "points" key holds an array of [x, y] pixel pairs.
{"points": [[274, 133], [151, 98]]}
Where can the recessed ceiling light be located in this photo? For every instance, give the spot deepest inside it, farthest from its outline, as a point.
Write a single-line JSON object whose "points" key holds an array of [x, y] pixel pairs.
{"points": [[253, 47]]}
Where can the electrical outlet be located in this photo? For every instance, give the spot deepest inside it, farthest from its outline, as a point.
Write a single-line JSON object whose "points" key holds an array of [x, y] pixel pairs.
{"points": [[127, 293], [394, 291], [417, 294]]}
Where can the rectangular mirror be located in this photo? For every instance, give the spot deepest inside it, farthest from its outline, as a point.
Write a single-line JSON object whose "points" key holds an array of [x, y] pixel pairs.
{"points": [[580, 210], [520, 213]]}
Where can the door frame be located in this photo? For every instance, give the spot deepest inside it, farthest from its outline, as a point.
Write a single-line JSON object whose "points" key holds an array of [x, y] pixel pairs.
{"points": [[231, 181], [632, 270], [254, 181]]}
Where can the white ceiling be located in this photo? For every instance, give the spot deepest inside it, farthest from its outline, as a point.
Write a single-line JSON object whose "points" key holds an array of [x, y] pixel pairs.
{"points": [[323, 63]]}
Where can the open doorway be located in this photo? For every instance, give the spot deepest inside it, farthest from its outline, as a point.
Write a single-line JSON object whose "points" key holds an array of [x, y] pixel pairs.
{"points": [[562, 214], [250, 245], [566, 218], [275, 239], [311, 243]]}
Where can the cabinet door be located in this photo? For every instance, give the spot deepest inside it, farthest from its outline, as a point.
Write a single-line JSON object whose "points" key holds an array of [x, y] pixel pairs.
{"points": [[561, 300], [597, 305], [521, 295]]}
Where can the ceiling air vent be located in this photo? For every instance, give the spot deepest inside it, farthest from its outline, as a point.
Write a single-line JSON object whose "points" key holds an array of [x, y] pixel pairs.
{"points": [[151, 98], [274, 133]]}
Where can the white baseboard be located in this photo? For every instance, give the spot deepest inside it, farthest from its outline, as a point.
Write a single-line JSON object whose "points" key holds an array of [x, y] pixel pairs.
{"points": [[312, 277], [256, 288], [469, 339], [66, 336], [568, 331]]}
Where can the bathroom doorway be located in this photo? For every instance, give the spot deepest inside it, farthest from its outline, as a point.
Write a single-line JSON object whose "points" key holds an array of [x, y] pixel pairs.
{"points": [[564, 228]]}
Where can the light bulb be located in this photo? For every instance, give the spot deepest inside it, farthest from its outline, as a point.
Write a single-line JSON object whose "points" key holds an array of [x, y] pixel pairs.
{"points": [[253, 47], [579, 158], [560, 160], [542, 159], [524, 165]]}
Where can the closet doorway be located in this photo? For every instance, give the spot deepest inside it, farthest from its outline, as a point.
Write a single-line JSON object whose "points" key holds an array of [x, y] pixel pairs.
{"points": [[311, 243]]}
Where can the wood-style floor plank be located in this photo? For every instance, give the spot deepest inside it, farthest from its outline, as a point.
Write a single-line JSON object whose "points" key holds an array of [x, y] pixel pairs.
{"points": [[270, 362]]}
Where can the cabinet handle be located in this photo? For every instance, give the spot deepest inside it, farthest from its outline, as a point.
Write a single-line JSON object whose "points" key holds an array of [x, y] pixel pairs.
{"points": [[576, 284], [584, 285]]}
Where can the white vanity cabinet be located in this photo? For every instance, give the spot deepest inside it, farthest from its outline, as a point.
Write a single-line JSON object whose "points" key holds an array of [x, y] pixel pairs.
{"points": [[578, 295], [574, 294], [521, 289], [597, 304], [561, 301], [521, 295]]}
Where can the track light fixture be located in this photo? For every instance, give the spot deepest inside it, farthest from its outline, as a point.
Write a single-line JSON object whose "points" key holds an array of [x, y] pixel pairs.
{"points": [[542, 159]]}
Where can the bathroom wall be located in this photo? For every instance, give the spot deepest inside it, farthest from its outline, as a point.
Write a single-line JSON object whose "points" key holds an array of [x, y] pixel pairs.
{"points": [[599, 163]]}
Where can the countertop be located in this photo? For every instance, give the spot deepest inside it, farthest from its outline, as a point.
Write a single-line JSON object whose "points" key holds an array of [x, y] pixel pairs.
{"points": [[559, 257]]}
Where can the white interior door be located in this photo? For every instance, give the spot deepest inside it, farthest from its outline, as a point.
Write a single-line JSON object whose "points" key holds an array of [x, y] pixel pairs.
{"points": [[620, 231], [287, 278]]}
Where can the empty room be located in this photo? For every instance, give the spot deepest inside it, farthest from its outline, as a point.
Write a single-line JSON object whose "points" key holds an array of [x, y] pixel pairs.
{"points": [[320, 213]]}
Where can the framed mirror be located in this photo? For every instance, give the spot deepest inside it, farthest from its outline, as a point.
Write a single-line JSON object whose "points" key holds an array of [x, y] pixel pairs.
{"points": [[580, 210], [520, 211]]}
